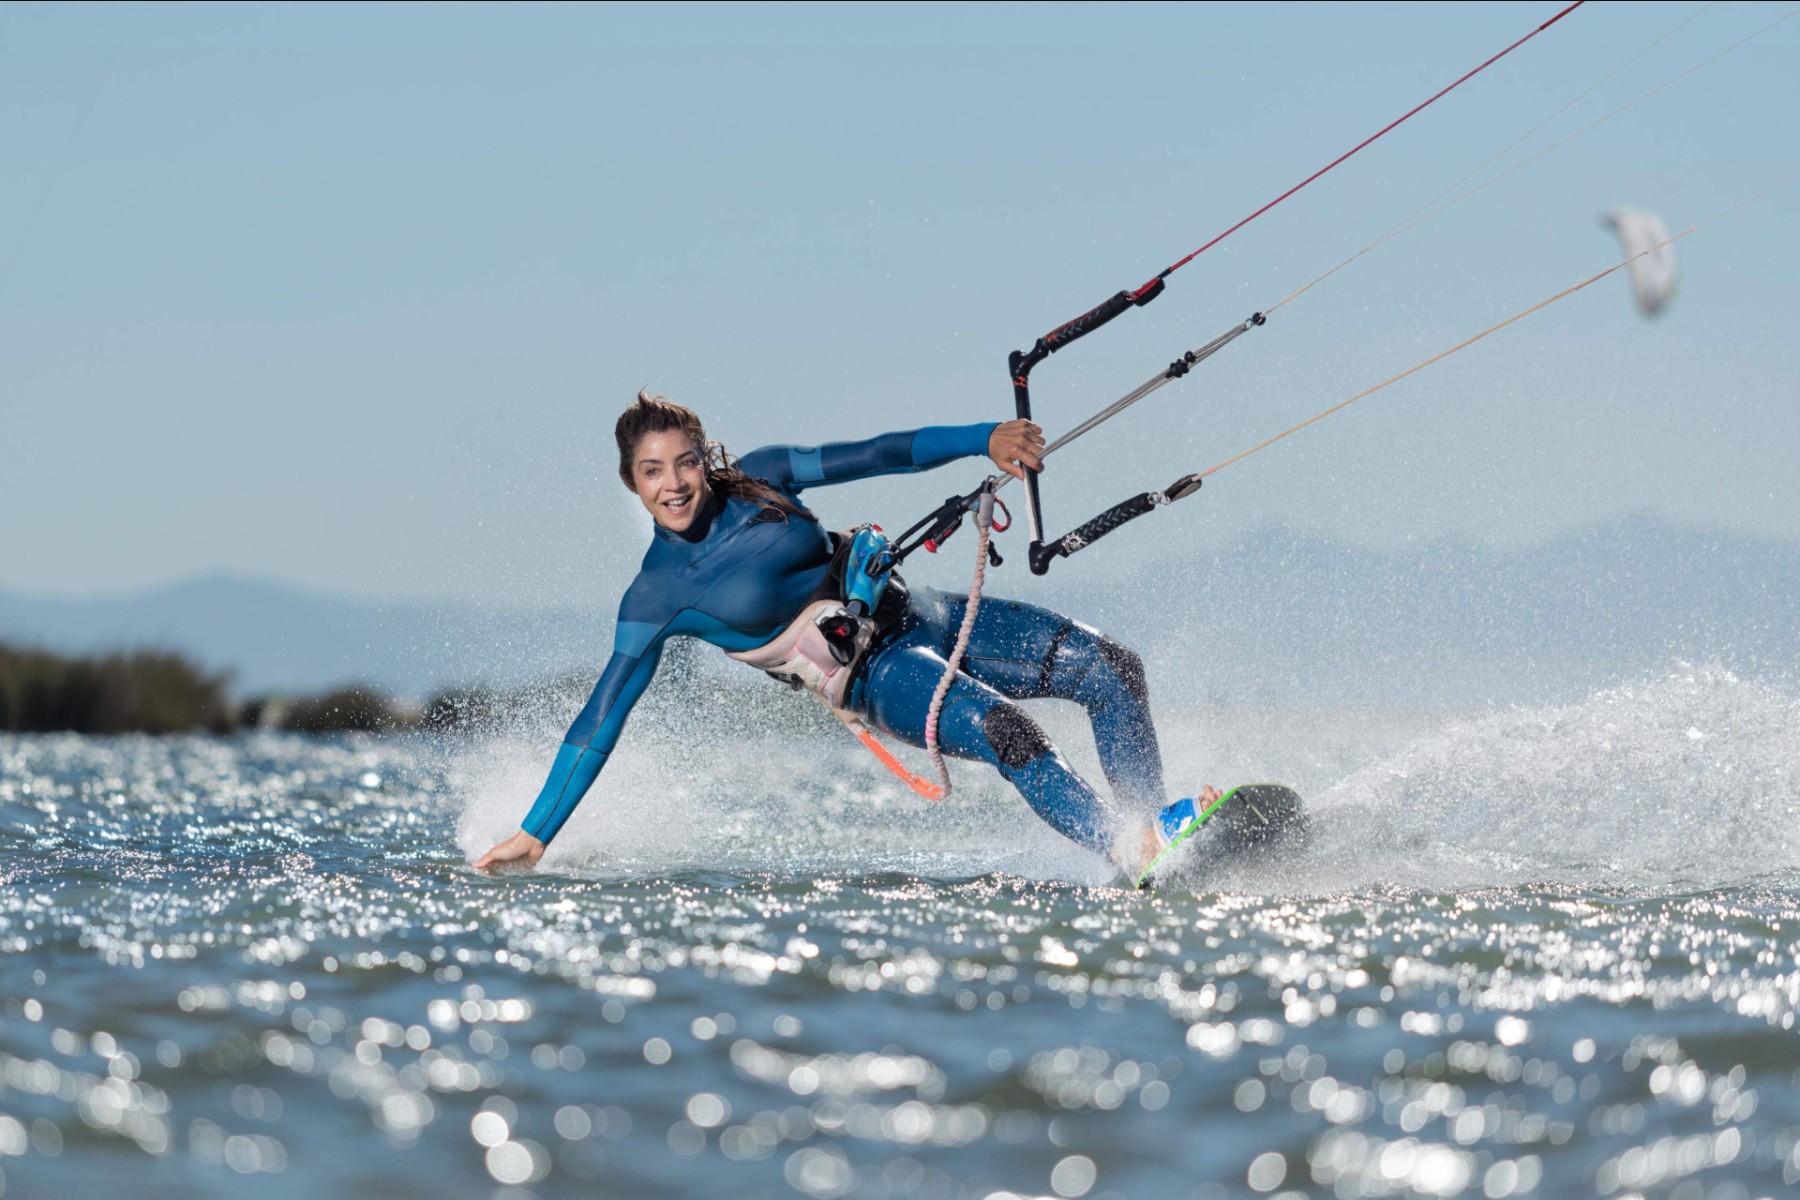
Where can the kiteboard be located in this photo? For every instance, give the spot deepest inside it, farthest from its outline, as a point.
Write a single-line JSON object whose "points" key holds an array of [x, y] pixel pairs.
{"points": [[1248, 818]]}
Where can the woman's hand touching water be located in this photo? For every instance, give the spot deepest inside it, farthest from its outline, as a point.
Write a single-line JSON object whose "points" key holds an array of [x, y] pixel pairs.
{"points": [[1015, 445], [521, 850]]}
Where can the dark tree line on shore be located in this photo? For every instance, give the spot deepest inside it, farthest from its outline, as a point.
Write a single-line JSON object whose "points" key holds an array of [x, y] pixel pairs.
{"points": [[154, 691], [142, 691]]}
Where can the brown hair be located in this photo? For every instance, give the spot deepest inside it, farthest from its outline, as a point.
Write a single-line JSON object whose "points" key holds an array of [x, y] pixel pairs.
{"points": [[655, 414]]}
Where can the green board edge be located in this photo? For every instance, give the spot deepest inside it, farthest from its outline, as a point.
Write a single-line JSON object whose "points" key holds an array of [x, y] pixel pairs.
{"points": [[1144, 878]]}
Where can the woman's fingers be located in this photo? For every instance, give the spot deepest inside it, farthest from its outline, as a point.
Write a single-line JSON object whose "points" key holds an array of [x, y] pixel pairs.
{"points": [[1017, 445], [1031, 446]]}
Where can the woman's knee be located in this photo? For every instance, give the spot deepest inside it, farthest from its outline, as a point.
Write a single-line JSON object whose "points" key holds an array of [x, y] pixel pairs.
{"points": [[1098, 667], [1015, 738]]}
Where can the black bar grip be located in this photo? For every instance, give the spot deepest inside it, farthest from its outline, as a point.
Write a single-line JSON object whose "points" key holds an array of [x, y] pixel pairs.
{"points": [[1081, 326], [1106, 522], [1087, 322], [1092, 531]]}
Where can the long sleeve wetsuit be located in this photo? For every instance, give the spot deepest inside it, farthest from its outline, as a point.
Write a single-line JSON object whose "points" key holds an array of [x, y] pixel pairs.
{"points": [[743, 572]]}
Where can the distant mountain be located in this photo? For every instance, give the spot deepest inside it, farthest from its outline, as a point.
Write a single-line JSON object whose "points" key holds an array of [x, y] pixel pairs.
{"points": [[1284, 618], [1275, 618]]}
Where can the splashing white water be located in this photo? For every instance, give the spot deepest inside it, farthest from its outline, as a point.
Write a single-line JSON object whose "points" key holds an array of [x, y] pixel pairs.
{"points": [[1692, 777]]}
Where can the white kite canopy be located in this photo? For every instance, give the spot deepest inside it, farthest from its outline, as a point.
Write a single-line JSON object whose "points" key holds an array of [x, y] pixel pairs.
{"points": [[1652, 268]]}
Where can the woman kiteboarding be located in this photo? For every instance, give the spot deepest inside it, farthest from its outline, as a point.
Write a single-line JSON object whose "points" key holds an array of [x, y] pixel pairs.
{"points": [[738, 561]]}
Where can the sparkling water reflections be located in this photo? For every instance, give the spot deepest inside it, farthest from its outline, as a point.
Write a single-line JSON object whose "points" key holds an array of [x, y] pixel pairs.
{"points": [[262, 962]]}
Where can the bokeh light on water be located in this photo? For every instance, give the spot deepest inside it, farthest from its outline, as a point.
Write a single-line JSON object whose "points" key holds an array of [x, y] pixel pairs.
{"points": [[262, 963]]}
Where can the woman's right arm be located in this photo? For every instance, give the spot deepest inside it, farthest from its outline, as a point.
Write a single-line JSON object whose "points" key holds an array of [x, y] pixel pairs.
{"points": [[637, 647]]}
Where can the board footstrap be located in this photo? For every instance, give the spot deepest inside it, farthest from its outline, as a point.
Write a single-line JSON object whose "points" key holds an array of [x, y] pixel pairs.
{"points": [[1192, 827]]}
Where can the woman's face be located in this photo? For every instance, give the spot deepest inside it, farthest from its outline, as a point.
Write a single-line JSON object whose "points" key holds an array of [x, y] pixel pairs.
{"points": [[670, 479]]}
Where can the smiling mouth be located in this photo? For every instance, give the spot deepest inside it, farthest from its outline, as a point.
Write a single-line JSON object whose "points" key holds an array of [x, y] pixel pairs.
{"points": [[679, 506]]}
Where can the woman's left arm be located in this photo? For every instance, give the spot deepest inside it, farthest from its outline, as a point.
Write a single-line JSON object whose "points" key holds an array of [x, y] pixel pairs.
{"points": [[795, 468]]}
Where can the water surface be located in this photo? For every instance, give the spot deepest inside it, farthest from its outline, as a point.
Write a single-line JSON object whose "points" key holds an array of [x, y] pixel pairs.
{"points": [[1546, 952]]}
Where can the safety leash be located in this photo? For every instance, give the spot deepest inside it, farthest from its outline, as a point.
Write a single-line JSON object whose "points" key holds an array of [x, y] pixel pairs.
{"points": [[984, 523]]}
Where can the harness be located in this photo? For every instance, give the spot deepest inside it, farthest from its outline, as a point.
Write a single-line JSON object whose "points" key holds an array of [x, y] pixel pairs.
{"points": [[804, 656], [823, 648]]}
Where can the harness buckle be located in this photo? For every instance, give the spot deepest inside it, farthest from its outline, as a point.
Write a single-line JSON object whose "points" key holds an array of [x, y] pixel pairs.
{"points": [[841, 631]]}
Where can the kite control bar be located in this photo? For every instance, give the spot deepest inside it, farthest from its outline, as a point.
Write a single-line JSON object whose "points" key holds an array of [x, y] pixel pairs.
{"points": [[934, 528], [1041, 553], [1019, 365]]}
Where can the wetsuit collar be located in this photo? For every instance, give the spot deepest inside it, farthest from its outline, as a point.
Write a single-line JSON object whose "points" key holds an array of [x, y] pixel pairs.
{"points": [[702, 524]]}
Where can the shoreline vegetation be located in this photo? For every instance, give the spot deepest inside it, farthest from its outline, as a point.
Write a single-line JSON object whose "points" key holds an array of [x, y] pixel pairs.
{"points": [[161, 692]]}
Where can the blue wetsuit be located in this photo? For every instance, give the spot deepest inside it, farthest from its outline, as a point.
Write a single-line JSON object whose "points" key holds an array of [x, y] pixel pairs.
{"points": [[742, 572]]}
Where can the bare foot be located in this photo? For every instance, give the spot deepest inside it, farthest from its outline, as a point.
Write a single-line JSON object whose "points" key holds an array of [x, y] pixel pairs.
{"points": [[1148, 849], [1135, 850]]}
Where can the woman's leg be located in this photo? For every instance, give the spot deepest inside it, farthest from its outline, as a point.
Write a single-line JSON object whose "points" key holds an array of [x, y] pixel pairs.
{"points": [[978, 722], [1027, 653]]}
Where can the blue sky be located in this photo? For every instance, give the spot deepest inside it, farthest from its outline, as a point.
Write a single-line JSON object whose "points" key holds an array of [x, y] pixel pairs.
{"points": [[350, 295]]}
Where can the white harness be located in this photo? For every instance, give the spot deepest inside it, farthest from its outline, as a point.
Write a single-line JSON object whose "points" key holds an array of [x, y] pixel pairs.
{"points": [[801, 655]]}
